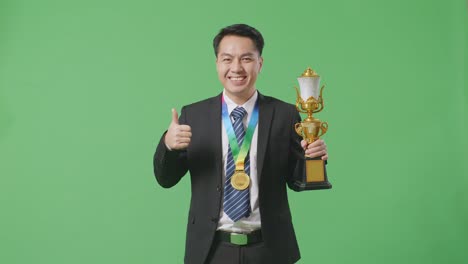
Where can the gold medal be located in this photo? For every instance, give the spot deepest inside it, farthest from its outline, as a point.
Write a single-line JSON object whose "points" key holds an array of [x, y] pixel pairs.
{"points": [[240, 180]]}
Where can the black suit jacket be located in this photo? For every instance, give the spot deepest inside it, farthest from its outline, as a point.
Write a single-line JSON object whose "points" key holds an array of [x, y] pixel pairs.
{"points": [[278, 151]]}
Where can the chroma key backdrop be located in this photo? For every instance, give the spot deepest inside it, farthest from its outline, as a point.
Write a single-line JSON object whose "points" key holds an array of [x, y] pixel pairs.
{"points": [[87, 87]]}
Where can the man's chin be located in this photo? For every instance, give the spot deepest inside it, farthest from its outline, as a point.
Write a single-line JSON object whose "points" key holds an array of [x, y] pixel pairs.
{"points": [[240, 91], [237, 90]]}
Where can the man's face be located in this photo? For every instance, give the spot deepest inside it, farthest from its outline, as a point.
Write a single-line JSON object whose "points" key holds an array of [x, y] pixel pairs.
{"points": [[238, 64]]}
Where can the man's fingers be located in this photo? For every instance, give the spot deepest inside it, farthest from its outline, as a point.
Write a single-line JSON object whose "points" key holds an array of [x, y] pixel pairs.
{"points": [[178, 136], [316, 143], [175, 117], [183, 140], [184, 128], [316, 149], [303, 144], [181, 145], [183, 134], [316, 152]]}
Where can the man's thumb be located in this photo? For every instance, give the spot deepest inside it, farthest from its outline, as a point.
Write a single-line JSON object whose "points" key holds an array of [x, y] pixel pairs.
{"points": [[175, 117]]}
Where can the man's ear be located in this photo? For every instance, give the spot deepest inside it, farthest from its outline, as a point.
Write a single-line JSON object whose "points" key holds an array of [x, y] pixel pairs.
{"points": [[261, 64]]}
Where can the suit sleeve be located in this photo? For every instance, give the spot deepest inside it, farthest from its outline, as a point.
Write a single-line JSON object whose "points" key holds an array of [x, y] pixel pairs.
{"points": [[296, 151], [170, 166]]}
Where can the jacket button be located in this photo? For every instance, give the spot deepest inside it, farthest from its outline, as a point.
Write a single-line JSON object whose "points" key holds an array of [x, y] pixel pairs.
{"points": [[214, 219], [218, 188]]}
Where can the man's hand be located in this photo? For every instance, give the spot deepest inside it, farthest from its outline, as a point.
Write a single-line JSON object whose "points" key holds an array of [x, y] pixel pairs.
{"points": [[177, 136], [315, 149]]}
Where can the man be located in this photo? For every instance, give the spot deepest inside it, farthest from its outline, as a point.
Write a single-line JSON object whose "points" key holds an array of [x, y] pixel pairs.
{"points": [[241, 150]]}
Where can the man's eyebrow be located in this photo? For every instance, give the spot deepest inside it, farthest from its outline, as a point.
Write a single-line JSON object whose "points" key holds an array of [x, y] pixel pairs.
{"points": [[242, 55], [225, 54], [248, 54]]}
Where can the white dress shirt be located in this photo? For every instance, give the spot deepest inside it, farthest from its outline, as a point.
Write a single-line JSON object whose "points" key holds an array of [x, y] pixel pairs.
{"points": [[251, 223]]}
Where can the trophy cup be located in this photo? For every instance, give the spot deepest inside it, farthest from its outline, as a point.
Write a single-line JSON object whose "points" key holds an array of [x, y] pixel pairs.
{"points": [[312, 171]]}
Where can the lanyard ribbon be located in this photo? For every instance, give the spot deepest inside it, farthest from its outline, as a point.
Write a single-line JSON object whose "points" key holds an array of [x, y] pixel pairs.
{"points": [[239, 154]]}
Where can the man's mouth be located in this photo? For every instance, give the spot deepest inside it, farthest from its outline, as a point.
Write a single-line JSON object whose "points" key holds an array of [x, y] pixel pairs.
{"points": [[237, 78]]}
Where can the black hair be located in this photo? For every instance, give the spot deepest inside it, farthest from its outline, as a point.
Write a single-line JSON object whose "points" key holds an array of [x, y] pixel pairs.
{"points": [[241, 30]]}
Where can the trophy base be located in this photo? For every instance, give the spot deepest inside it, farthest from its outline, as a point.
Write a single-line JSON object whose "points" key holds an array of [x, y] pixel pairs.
{"points": [[313, 175]]}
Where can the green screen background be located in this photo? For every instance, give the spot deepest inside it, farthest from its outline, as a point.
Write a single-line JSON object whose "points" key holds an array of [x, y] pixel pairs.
{"points": [[86, 89]]}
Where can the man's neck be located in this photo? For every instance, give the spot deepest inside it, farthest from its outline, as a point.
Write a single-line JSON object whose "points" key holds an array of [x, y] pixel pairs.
{"points": [[241, 98]]}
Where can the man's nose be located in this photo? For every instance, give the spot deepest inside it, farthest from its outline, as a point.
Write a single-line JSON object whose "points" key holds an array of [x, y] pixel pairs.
{"points": [[236, 66]]}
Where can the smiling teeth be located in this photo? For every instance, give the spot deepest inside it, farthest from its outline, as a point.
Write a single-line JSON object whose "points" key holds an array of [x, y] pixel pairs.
{"points": [[237, 78]]}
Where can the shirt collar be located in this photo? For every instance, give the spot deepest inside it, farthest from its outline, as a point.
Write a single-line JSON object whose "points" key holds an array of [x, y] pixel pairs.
{"points": [[248, 106]]}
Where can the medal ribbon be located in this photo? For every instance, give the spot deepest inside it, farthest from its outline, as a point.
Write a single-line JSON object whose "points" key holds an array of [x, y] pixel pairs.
{"points": [[239, 154]]}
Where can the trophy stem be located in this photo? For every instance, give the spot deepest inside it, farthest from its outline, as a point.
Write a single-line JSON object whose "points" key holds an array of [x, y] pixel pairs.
{"points": [[309, 117]]}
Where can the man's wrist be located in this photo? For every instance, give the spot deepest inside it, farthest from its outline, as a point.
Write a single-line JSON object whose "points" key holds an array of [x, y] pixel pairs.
{"points": [[167, 146], [165, 143]]}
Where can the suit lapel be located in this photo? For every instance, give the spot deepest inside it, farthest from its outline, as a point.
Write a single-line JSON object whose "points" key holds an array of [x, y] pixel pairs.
{"points": [[264, 122]]}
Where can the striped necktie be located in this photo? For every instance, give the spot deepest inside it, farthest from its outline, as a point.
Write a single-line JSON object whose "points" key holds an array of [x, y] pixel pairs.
{"points": [[236, 203]]}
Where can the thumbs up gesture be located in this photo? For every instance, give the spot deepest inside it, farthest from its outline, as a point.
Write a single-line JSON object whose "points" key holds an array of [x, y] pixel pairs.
{"points": [[177, 136]]}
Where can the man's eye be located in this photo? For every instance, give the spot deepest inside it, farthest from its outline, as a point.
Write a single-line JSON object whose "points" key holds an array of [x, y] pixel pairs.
{"points": [[247, 59], [226, 60]]}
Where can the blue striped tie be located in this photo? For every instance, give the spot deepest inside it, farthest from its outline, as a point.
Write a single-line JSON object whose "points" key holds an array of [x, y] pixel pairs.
{"points": [[236, 203]]}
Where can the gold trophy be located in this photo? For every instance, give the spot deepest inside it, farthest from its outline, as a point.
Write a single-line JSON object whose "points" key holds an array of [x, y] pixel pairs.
{"points": [[312, 171]]}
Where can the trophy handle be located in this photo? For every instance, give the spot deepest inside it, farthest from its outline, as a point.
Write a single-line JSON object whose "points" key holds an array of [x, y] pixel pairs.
{"points": [[320, 101], [323, 128], [298, 128], [298, 94], [299, 109]]}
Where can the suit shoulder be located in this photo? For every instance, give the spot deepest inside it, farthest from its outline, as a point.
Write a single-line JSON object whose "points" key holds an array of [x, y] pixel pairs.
{"points": [[279, 103], [201, 104]]}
